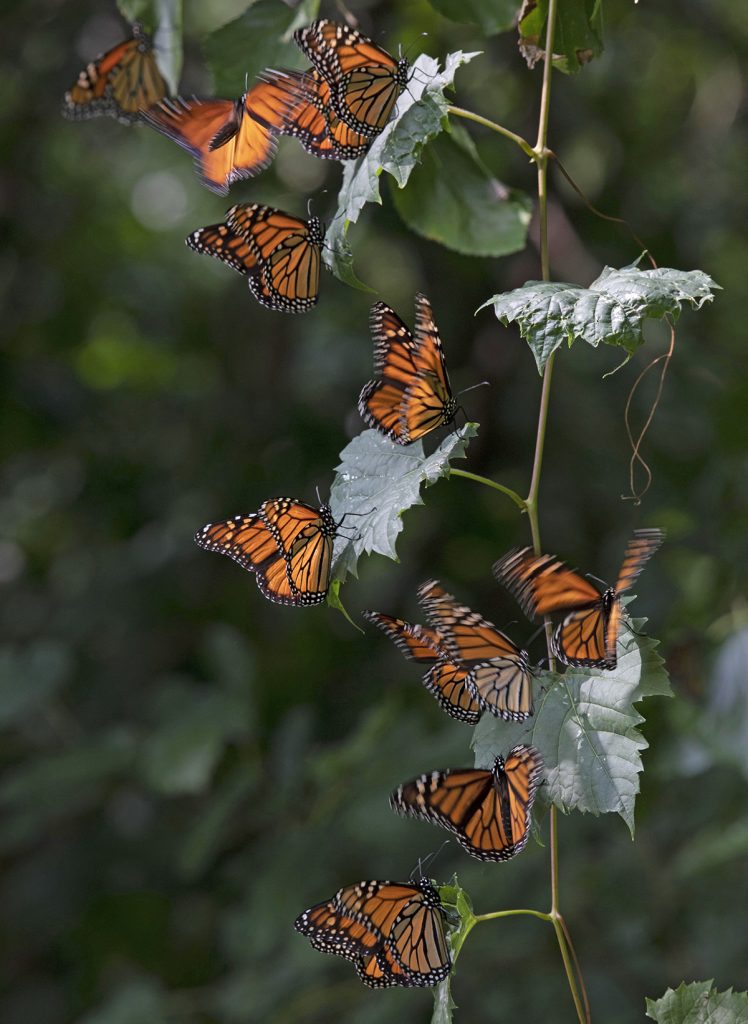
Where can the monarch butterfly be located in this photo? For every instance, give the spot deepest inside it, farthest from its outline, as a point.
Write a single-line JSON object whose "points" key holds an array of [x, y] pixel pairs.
{"points": [[393, 930], [498, 672], [365, 81], [286, 544], [231, 139], [318, 128], [279, 253], [120, 83], [446, 680], [412, 396], [543, 584], [488, 811]]}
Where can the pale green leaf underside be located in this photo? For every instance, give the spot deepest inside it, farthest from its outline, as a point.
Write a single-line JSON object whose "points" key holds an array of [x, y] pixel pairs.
{"points": [[612, 310], [420, 115], [586, 727], [699, 1003], [379, 480]]}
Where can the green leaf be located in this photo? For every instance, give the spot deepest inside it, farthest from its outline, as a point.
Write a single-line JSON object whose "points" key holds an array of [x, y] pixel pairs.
{"points": [[261, 37], [162, 18], [492, 16], [577, 39], [612, 310], [444, 1004], [420, 115], [699, 1003], [453, 199], [181, 756], [460, 920], [587, 729], [378, 480]]}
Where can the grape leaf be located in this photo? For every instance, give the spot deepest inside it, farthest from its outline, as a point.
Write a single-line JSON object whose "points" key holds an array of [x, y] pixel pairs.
{"points": [[378, 480], [452, 198], [420, 115], [261, 37], [586, 727], [578, 36], [611, 310], [699, 1003], [493, 16]]}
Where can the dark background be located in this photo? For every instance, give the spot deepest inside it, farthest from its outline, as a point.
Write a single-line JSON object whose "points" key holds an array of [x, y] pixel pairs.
{"points": [[185, 765]]}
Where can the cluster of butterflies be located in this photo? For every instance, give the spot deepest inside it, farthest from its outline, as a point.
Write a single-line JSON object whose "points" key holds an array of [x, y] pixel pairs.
{"points": [[335, 108], [394, 932], [288, 544]]}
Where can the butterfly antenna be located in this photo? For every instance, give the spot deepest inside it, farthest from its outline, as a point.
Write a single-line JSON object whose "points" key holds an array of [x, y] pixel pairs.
{"points": [[319, 496], [591, 576], [483, 383], [425, 863], [535, 635]]}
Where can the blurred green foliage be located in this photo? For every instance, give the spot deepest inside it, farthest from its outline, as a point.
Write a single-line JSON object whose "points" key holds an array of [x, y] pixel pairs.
{"points": [[185, 766]]}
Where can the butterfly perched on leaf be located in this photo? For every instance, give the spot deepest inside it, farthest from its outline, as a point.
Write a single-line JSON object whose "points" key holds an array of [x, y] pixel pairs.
{"points": [[446, 679], [231, 139], [318, 128], [392, 931], [277, 252], [120, 83], [544, 585], [411, 395], [365, 81], [287, 544], [489, 811]]}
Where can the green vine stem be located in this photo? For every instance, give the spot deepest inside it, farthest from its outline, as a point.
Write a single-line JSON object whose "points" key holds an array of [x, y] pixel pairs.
{"points": [[574, 977], [518, 501], [523, 144]]}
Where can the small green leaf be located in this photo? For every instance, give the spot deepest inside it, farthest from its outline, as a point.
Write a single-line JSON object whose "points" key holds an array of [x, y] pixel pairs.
{"points": [[612, 310], [236, 53], [587, 729], [453, 199], [377, 480], [699, 1003], [577, 39], [492, 16], [421, 114]]}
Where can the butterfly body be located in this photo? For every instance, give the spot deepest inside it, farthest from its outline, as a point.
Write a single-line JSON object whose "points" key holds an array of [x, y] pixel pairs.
{"points": [[587, 635], [489, 811], [120, 83], [392, 931], [287, 544], [411, 395], [277, 252], [364, 80]]}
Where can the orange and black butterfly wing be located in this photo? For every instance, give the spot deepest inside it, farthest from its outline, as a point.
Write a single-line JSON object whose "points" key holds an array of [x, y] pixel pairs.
{"points": [[319, 130], [196, 125], [287, 251], [381, 401], [428, 399], [364, 79], [219, 240], [377, 904], [522, 771], [329, 931], [639, 550], [543, 584], [417, 939], [120, 83], [581, 638], [502, 686], [448, 683], [381, 970], [245, 539], [304, 536], [462, 800], [416, 642]]}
